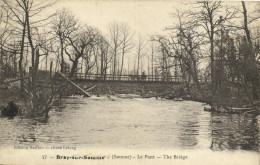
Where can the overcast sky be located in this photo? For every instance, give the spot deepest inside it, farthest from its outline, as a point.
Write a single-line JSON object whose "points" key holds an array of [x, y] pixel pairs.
{"points": [[142, 16]]}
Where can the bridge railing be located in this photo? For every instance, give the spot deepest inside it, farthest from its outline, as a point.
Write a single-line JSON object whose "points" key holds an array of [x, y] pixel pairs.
{"points": [[111, 77], [147, 78]]}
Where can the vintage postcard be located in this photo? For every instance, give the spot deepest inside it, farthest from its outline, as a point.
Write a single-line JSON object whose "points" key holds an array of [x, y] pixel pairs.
{"points": [[129, 82]]}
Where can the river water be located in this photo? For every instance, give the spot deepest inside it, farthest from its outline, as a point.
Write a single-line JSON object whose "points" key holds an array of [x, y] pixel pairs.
{"points": [[134, 123]]}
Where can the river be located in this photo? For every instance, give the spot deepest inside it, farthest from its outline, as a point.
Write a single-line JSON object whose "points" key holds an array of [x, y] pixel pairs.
{"points": [[134, 123]]}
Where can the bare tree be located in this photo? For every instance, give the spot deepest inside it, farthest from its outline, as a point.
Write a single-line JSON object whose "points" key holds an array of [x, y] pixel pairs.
{"points": [[90, 57], [105, 59], [18, 18], [116, 42], [24, 12], [26, 17], [78, 44], [152, 54], [32, 8], [210, 19], [252, 69], [190, 39], [64, 24], [127, 44], [140, 53]]}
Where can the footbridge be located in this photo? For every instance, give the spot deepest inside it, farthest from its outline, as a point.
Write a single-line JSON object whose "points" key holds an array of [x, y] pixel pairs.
{"points": [[127, 78], [128, 84]]}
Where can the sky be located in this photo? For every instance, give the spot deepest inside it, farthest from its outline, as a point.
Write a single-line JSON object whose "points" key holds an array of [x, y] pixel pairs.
{"points": [[146, 17], [143, 16]]}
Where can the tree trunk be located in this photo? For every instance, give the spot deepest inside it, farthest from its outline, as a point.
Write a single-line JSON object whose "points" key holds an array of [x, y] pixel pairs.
{"points": [[138, 63], [252, 68], [122, 65], [62, 58], [35, 63], [114, 68], [21, 62], [73, 68], [212, 67], [102, 64]]}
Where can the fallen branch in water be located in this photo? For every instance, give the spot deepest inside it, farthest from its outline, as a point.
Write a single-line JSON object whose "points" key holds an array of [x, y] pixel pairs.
{"points": [[91, 88]]}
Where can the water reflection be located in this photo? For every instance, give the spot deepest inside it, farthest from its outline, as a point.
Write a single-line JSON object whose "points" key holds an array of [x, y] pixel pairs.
{"points": [[234, 131], [189, 132], [29, 130]]}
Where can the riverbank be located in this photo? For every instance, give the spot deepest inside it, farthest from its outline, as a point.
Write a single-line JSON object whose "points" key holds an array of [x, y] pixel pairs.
{"points": [[29, 105], [232, 96]]}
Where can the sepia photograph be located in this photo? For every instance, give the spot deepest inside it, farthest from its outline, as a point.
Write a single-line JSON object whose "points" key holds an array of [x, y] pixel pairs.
{"points": [[129, 82]]}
